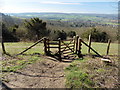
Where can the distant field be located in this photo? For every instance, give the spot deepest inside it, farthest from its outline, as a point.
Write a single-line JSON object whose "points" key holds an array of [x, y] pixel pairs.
{"points": [[15, 48], [101, 18]]}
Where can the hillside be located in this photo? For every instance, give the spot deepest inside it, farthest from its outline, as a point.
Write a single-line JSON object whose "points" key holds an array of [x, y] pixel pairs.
{"points": [[9, 21], [97, 18], [77, 22]]}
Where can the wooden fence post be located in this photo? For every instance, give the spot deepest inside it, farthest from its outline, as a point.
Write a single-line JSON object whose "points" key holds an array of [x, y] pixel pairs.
{"points": [[76, 44], [79, 49], [48, 44], [45, 46], [108, 47], [60, 49], [3, 47], [89, 43]]}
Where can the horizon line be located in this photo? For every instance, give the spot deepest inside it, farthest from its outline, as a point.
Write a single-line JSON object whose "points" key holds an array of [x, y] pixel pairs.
{"points": [[58, 12]]}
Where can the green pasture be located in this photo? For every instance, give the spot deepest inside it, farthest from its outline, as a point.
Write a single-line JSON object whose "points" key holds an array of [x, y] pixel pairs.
{"points": [[17, 47], [101, 48]]}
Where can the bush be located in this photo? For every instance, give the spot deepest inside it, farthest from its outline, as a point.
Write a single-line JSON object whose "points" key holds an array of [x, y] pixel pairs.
{"points": [[36, 28], [7, 35], [96, 35], [58, 34], [71, 34]]}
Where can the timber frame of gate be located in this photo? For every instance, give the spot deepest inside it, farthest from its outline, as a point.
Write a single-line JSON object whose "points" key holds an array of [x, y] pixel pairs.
{"points": [[74, 45]]}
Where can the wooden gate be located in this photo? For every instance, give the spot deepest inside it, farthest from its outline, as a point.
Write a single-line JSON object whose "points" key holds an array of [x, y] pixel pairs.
{"points": [[63, 48]]}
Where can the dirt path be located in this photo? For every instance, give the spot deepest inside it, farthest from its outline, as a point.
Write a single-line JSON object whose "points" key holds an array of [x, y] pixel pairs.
{"points": [[42, 74]]}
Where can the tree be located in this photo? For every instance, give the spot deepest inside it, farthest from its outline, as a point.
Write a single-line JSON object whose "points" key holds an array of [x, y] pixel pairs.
{"points": [[96, 35], [61, 34], [7, 36], [14, 29], [36, 28], [71, 34]]}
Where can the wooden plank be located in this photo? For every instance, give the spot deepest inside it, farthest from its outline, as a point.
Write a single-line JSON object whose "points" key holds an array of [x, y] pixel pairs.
{"points": [[71, 45], [60, 49], [76, 44], [31, 46], [67, 52], [71, 54]]}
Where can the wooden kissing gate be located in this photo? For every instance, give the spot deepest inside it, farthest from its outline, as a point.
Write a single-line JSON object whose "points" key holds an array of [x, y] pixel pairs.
{"points": [[64, 48]]}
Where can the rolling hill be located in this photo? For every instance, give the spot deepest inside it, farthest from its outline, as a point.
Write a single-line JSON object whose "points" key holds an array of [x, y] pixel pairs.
{"points": [[110, 19]]}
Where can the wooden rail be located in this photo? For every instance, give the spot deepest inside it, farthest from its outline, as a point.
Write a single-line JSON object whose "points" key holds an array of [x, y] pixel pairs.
{"points": [[91, 48], [31, 46]]}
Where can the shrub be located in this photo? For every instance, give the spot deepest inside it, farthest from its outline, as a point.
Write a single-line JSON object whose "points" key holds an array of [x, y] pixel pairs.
{"points": [[37, 28], [7, 35], [58, 34], [71, 34], [96, 35]]}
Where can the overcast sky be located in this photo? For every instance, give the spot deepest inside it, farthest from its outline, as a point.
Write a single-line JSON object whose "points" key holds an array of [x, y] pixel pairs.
{"points": [[62, 6]]}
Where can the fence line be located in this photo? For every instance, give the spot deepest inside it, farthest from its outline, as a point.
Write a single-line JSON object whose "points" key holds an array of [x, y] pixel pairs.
{"points": [[31, 46], [69, 47]]}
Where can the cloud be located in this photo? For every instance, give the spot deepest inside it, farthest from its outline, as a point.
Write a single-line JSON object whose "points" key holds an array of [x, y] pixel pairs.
{"points": [[67, 3]]}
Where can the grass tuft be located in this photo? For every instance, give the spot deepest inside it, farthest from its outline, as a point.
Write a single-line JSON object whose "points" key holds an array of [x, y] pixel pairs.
{"points": [[76, 78]]}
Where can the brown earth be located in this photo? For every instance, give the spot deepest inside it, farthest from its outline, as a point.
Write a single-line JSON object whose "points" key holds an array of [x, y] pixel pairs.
{"points": [[42, 74], [49, 73]]}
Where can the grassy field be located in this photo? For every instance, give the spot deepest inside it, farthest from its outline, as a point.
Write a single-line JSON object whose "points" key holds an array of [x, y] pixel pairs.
{"points": [[102, 48], [15, 48]]}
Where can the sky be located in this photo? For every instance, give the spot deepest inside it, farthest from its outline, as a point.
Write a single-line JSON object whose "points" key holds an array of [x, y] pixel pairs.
{"points": [[61, 6]]}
